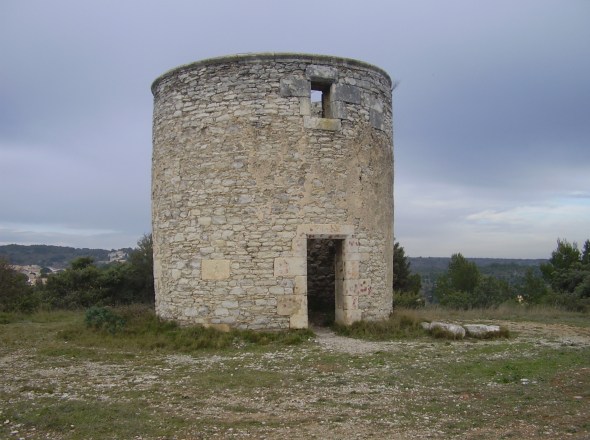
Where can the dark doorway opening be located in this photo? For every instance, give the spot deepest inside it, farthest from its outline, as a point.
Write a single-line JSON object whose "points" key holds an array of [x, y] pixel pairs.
{"points": [[321, 280]]}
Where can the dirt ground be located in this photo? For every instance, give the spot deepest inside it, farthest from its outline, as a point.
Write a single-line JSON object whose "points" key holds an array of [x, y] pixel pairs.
{"points": [[534, 385], [545, 334]]}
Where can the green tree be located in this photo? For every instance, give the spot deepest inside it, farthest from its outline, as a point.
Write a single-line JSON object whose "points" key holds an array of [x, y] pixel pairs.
{"points": [[84, 284], [586, 253], [82, 263], [15, 292], [533, 289], [406, 286], [141, 261], [568, 274], [456, 287], [490, 291], [401, 268], [568, 268], [74, 287]]}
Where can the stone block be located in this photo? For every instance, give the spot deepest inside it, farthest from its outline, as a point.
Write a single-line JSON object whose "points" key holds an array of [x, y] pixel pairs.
{"points": [[299, 247], [276, 290], [290, 266], [346, 93], [351, 245], [305, 106], [457, 331], [291, 86], [350, 302], [348, 270], [376, 119], [215, 269], [373, 103], [290, 304], [229, 304], [300, 286], [347, 317], [349, 253], [221, 311], [299, 320], [357, 287], [481, 330], [338, 110], [330, 230], [322, 123], [321, 73]]}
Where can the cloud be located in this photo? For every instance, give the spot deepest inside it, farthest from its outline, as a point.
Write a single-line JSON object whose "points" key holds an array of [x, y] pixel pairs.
{"points": [[62, 235], [491, 132], [544, 218]]}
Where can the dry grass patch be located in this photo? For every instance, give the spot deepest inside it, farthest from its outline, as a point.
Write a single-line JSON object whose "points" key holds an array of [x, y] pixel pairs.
{"points": [[100, 385]]}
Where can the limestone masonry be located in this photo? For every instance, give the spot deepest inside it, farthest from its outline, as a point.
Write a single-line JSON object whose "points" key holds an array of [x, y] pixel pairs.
{"points": [[272, 191]]}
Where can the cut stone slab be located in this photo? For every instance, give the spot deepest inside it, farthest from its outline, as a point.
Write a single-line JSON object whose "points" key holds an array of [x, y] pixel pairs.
{"points": [[481, 330], [215, 269], [456, 330]]}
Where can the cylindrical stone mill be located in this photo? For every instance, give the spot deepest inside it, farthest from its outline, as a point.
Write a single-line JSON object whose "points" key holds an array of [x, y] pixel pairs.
{"points": [[272, 191]]}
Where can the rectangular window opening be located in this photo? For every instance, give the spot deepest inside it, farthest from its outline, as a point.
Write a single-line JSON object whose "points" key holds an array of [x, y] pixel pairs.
{"points": [[320, 94]]}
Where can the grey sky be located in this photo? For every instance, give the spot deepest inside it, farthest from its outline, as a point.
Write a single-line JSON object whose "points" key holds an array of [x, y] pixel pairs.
{"points": [[491, 115]]}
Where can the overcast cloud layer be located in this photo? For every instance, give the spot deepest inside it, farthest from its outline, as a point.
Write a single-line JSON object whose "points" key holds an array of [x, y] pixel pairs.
{"points": [[491, 115]]}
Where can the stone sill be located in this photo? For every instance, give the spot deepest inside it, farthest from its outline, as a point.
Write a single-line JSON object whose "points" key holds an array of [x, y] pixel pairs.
{"points": [[322, 123]]}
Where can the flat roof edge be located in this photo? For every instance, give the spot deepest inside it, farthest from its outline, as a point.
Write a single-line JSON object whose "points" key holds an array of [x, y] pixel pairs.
{"points": [[284, 56]]}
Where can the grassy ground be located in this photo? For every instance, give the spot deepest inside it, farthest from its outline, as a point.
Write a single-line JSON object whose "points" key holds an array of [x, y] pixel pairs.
{"points": [[59, 380]]}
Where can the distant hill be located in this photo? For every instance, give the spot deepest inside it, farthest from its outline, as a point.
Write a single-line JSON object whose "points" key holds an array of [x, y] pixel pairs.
{"points": [[508, 269], [57, 257], [441, 264]]}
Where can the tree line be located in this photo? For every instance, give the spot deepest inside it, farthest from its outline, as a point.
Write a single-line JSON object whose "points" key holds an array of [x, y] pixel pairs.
{"points": [[49, 256], [83, 284], [563, 281]]}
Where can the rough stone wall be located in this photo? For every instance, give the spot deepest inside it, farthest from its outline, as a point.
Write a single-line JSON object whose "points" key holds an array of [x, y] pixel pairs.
{"points": [[244, 174]]}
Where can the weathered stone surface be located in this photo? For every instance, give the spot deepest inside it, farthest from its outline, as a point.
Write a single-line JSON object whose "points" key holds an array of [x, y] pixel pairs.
{"points": [[322, 123], [456, 330], [295, 87], [481, 330], [376, 119], [289, 305], [321, 73], [347, 93], [215, 269], [290, 266], [244, 173]]}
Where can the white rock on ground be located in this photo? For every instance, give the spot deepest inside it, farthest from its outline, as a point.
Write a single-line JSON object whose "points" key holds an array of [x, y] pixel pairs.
{"points": [[456, 330], [481, 330]]}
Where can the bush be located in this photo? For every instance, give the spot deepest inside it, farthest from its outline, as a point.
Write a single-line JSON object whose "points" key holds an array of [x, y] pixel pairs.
{"points": [[398, 326], [408, 300], [101, 318], [567, 301], [137, 326], [16, 295]]}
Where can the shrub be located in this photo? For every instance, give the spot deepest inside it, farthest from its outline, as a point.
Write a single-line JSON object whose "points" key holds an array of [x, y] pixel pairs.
{"points": [[101, 318], [398, 326], [137, 326], [408, 300], [15, 293]]}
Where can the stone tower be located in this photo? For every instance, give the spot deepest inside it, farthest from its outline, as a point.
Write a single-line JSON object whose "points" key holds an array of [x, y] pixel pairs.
{"points": [[272, 191]]}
